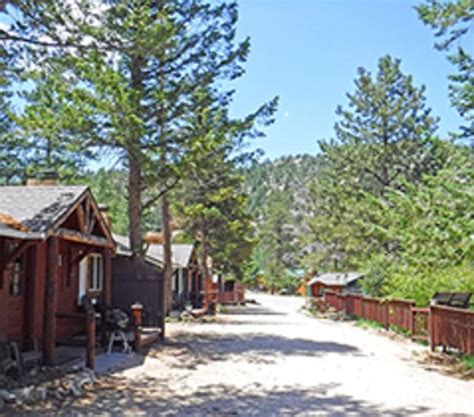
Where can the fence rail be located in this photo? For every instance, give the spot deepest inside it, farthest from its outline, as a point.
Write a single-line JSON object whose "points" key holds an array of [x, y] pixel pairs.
{"points": [[443, 326]]}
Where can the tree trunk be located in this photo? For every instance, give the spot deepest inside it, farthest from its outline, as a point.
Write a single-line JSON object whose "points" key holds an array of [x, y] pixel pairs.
{"points": [[205, 266], [134, 164], [168, 268], [134, 202]]}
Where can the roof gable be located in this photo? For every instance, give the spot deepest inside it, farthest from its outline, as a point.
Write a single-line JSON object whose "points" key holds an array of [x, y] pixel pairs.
{"points": [[68, 212], [181, 253], [39, 208], [336, 278]]}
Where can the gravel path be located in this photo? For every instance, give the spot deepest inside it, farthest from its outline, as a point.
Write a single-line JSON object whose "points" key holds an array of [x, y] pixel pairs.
{"points": [[271, 360]]}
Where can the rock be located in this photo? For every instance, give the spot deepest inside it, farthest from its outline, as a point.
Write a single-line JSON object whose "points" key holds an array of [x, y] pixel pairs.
{"points": [[7, 396], [42, 393], [76, 390]]}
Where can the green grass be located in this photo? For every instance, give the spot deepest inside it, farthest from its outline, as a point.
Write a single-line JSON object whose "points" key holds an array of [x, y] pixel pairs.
{"points": [[467, 362], [368, 324], [400, 331]]}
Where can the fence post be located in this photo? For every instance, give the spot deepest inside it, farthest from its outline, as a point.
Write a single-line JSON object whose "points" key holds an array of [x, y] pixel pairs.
{"points": [[90, 334], [137, 310], [431, 327], [385, 314]]}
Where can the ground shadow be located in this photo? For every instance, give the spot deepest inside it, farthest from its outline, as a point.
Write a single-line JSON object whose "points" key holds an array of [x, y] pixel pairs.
{"points": [[250, 311], [192, 350], [117, 397]]}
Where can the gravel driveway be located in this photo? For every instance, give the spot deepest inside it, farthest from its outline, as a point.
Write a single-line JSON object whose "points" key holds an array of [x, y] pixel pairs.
{"points": [[271, 360]]}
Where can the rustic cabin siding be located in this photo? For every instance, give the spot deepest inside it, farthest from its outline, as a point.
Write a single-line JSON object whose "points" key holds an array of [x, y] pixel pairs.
{"points": [[136, 281], [39, 294], [3, 294], [68, 290]]}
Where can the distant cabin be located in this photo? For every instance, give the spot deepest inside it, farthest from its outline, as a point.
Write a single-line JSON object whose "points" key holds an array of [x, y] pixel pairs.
{"points": [[187, 286], [339, 282], [140, 280]]}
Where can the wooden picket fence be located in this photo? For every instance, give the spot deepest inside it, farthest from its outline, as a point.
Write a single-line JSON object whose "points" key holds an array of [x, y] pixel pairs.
{"points": [[443, 326]]}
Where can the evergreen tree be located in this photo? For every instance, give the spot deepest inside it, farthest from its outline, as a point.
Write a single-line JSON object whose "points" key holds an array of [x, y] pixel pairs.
{"points": [[278, 240], [384, 139], [386, 132], [10, 165], [211, 196], [452, 23], [131, 69]]}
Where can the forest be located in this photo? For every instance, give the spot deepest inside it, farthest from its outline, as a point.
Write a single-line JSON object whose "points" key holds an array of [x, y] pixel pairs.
{"points": [[133, 98]]}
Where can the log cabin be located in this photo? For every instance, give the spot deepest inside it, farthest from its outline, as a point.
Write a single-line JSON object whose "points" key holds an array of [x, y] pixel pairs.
{"points": [[55, 247], [338, 282], [187, 286]]}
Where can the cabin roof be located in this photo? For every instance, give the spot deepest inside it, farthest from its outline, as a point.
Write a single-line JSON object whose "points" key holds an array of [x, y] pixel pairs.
{"points": [[36, 209], [181, 253], [336, 278], [123, 249]]}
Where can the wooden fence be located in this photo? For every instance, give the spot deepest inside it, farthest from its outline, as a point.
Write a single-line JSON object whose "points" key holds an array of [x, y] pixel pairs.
{"points": [[452, 328], [442, 326]]}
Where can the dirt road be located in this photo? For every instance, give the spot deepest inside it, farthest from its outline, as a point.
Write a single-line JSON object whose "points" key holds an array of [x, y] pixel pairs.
{"points": [[271, 360]]}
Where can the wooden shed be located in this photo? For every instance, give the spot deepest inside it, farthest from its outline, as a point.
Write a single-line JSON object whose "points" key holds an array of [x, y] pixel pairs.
{"points": [[339, 282], [138, 280], [55, 247]]}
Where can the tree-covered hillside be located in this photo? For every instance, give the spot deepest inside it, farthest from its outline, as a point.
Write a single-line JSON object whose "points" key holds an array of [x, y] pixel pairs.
{"points": [[279, 202]]}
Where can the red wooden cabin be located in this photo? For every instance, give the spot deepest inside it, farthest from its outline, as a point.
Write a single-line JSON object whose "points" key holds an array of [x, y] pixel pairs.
{"points": [[55, 247], [338, 282]]}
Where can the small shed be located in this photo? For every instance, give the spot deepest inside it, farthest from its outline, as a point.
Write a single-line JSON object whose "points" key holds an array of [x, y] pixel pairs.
{"points": [[339, 282], [138, 280], [55, 247]]}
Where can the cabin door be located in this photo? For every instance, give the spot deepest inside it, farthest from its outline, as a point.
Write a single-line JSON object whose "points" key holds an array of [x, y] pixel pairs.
{"points": [[18, 278]]}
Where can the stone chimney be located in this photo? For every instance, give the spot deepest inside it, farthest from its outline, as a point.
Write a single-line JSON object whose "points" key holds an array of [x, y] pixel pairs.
{"points": [[46, 177], [104, 211]]}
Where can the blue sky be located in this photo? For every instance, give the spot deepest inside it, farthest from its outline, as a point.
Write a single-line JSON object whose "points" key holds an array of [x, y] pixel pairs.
{"points": [[307, 52]]}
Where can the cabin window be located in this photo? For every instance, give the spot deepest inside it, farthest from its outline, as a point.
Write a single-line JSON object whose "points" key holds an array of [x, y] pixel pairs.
{"points": [[16, 283], [95, 273], [91, 275]]}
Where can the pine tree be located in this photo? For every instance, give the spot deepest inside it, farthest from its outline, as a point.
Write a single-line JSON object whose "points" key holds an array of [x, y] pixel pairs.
{"points": [[452, 23], [383, 140], [129, 71], [278, 240], [386, 132], [211, 197]]}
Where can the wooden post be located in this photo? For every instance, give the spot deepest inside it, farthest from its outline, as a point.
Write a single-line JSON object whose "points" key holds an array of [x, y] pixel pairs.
{"points": [[51, 301], [385, 315], [161, 320], [431, 327], [91, 334], [107, 278], [137, 310]]}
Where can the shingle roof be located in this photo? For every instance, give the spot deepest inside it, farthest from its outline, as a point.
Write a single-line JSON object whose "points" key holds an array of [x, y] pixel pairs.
{"points": [[336, 278], [181, 254], [123, 246], [38, 208]]}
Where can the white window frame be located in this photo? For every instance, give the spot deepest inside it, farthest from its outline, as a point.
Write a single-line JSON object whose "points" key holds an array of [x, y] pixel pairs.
{"points": [[97, 272]]}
